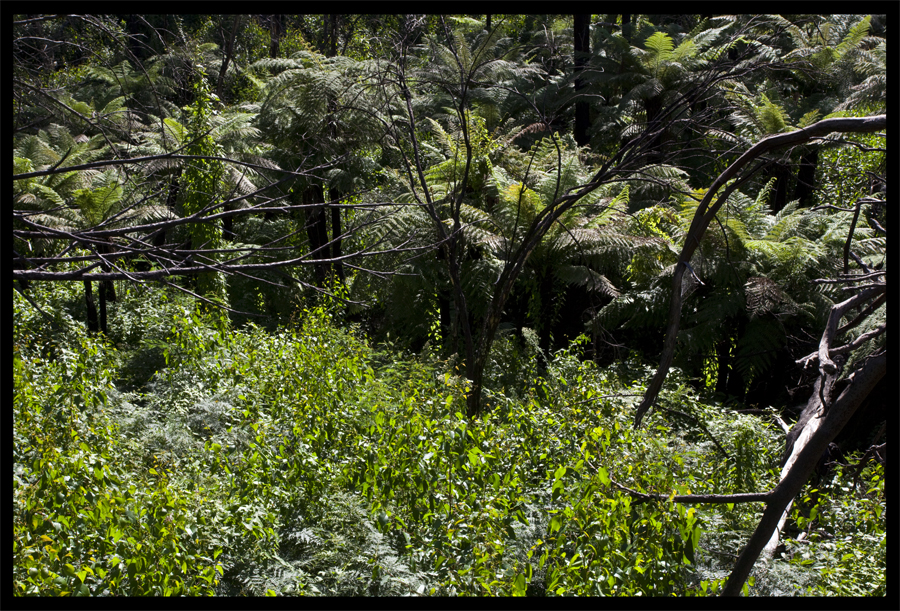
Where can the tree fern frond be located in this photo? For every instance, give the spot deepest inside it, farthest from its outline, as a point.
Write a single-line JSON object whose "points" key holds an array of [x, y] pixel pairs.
{"points": [[581, 275], [762, 295], [660, 46], [786, 221], [855, 36]]}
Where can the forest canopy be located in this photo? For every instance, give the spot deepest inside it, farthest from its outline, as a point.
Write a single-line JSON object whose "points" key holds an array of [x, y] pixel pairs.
{"points": [[449, 304]]}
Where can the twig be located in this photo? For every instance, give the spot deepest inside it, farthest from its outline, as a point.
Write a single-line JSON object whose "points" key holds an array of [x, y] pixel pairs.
{"points": [[848, 279], [701, 425]]}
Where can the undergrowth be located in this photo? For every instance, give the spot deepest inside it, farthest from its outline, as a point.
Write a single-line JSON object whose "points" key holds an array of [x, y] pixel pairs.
{"points": [[182, 456]]}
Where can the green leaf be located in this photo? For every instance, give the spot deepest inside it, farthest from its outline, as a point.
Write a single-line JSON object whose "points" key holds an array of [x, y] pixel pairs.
{"points": [[519, 585], [603, 474], [555, 523]]}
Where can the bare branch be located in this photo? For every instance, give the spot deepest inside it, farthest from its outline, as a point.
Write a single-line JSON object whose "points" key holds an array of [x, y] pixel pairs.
{"points": [[706, 211]]}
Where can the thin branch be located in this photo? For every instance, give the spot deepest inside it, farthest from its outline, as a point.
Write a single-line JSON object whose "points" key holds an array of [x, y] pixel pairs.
{"points": [[702, 426], [706, 212], [741, 497], [850, 278], [864, 314]]}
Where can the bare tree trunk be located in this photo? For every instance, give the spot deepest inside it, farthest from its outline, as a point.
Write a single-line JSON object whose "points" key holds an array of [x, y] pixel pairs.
{"points": [[582, 32], [807, 450], [229, 53]]}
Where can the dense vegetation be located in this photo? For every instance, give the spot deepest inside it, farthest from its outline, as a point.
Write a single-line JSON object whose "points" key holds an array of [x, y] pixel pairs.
{"points": [[379, 297]]}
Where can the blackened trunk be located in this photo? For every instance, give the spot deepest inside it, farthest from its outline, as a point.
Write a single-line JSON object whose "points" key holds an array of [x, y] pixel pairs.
{"points": [[102, 308], [653, 108], [137, 38], [445, 307], [276, 31], [332, 48], [723, 365], [781, 173], [317, 231], [92, 324], [806, 177], [171, 201], [626, 27], [107, 293], [582, 31]]}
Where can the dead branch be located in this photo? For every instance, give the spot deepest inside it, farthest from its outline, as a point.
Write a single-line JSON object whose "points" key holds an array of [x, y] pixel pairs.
{"points": [[707, 210]]}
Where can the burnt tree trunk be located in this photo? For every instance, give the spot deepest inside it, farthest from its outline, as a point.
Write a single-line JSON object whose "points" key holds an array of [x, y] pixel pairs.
{"points": [[806, 176], [317, 231], [171, 200], [107, 288], [582, 53], [782, 174], [92, 324], [276, 31]]}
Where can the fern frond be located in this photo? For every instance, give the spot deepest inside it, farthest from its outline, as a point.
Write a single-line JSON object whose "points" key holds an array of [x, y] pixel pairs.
{"points": [[581, 275]]}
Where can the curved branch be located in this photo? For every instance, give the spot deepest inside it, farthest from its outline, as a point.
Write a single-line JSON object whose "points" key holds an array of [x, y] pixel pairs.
{"points": [[706, 211]]}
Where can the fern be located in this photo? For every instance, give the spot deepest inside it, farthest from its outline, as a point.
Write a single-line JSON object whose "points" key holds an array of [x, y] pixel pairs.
{"points": [[340, 553]]}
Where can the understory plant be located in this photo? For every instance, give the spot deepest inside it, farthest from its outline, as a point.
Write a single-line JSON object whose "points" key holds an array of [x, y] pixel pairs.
{"points": [[303, 461]]}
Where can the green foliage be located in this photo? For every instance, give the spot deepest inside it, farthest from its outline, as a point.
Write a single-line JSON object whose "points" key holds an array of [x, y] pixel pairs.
{"points": [[301, 462], [189, 453], [90, 519], [201, 181], [850, 555]]}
